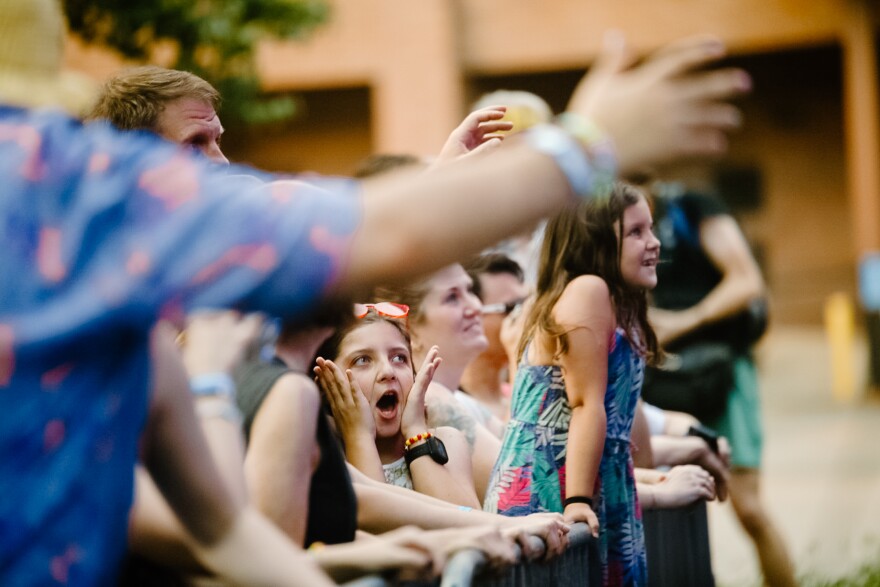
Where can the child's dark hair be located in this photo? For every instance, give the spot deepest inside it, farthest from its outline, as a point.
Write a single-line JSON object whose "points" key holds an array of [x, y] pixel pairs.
{"points": [[493, 263], [333, 313], [583, 240], [330, 348]]}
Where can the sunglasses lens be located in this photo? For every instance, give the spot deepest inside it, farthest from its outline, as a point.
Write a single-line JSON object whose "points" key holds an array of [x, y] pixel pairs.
{"points": [[501, 308], [392, 310], [387, 309]]}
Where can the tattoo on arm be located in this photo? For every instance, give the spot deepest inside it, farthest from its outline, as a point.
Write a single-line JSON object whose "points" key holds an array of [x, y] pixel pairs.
{"points": [[453, 415]]}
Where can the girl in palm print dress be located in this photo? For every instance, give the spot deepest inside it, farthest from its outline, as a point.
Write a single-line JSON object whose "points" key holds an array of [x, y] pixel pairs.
{"points": [[582, 353]]}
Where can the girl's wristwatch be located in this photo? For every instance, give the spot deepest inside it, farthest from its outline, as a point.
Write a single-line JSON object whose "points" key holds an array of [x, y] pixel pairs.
{"points": [[433, 446]]}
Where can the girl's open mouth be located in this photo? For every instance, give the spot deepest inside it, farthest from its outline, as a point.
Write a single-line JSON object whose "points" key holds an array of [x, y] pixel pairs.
{"points": [[387, 404]]}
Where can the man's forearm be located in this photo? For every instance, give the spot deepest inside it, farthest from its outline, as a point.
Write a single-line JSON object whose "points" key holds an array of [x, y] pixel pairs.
{"points": [[526, 186], [254, 552], [672, 450]]}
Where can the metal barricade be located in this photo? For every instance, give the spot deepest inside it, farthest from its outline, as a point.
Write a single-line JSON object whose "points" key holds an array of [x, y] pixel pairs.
{"points": [[677, 544], [579, 565], [369, 581]]}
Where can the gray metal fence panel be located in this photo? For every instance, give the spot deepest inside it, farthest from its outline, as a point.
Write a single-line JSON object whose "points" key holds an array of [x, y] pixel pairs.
{"points": [[677, 544], [579, 565], [370, 581]]}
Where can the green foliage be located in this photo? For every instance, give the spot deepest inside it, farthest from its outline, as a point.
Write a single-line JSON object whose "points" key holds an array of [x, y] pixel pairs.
{"points": [[215, 39], [868, 575]]}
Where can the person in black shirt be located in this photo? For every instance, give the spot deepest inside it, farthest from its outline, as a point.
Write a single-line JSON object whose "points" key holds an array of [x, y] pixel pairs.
{"points": [[710, 289]]}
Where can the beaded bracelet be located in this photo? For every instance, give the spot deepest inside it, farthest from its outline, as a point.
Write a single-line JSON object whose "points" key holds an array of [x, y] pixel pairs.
{"points": [[417, 438], [222, 408]]}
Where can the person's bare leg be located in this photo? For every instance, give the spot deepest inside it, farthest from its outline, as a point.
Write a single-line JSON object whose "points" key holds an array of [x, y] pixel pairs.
{"points": [[772, 553]]}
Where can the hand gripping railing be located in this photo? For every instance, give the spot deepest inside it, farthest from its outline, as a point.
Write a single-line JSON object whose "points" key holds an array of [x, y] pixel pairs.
{"points": [[677, 543], [578, 565]]}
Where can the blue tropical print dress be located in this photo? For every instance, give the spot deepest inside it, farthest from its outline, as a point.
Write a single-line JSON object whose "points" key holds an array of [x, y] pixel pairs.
{"points": [[529, 475]]}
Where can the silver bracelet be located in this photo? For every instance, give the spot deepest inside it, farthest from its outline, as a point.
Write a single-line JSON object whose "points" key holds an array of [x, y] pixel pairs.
{"points": [[599, 146], [217, 384], [587, 174], [217, 407]]}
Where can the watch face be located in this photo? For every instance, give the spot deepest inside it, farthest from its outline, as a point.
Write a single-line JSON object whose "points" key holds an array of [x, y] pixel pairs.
{"points": [[438, 450]]}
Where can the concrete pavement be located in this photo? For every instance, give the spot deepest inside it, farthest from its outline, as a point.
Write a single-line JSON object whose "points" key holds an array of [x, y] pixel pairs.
{"points": [[821, 481]]}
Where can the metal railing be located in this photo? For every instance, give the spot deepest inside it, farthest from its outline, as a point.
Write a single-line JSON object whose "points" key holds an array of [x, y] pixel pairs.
{"points": [[677, 543], [579, 565]]}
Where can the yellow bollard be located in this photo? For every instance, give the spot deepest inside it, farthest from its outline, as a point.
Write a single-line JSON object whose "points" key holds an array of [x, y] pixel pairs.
{"points": [[840, 333]]}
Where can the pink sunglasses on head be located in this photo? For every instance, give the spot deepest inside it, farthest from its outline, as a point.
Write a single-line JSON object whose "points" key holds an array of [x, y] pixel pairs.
{"points": [[387, 309]]}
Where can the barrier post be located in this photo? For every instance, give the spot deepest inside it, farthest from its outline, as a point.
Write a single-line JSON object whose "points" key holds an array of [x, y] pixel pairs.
{"points": [[840, 333], [677, 545]]}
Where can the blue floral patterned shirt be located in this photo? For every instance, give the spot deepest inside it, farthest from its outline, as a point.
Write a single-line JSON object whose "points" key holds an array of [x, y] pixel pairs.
{"points": [[103, 233]]}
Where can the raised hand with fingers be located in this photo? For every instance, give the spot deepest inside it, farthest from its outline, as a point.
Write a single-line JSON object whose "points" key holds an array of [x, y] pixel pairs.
{"points": [[413, 420], [217, 341], [351, 412], [664, 108], [479, 131], [449, 479]]}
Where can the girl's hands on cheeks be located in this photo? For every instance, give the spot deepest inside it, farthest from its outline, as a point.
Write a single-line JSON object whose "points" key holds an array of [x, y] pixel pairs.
{"points": [[350, 407], [413, 421]]}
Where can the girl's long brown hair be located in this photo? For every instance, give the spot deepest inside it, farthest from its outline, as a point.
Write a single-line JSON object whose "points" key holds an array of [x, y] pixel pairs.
{"points": [[583, 240]]}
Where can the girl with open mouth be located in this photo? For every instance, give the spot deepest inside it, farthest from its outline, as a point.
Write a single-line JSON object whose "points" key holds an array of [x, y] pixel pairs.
{"points": [[378, 404]]}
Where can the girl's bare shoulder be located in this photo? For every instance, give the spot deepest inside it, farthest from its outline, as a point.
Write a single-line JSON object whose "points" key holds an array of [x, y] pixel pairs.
{"points": [[586, 297]]}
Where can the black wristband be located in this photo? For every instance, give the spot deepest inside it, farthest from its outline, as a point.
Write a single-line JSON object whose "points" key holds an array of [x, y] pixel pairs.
{"points": [[578, 499], [433, 446], [709, 436]]}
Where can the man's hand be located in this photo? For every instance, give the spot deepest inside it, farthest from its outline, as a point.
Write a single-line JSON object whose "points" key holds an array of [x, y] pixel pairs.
{"points": [[217, 341], [667, 106]]}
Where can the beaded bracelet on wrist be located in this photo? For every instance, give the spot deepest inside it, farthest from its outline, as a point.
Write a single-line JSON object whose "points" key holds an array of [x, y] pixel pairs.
{"points": [[416, 439]]}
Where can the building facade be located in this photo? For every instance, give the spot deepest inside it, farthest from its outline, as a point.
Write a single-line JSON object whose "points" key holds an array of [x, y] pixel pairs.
{"points": [[803, 174]]}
